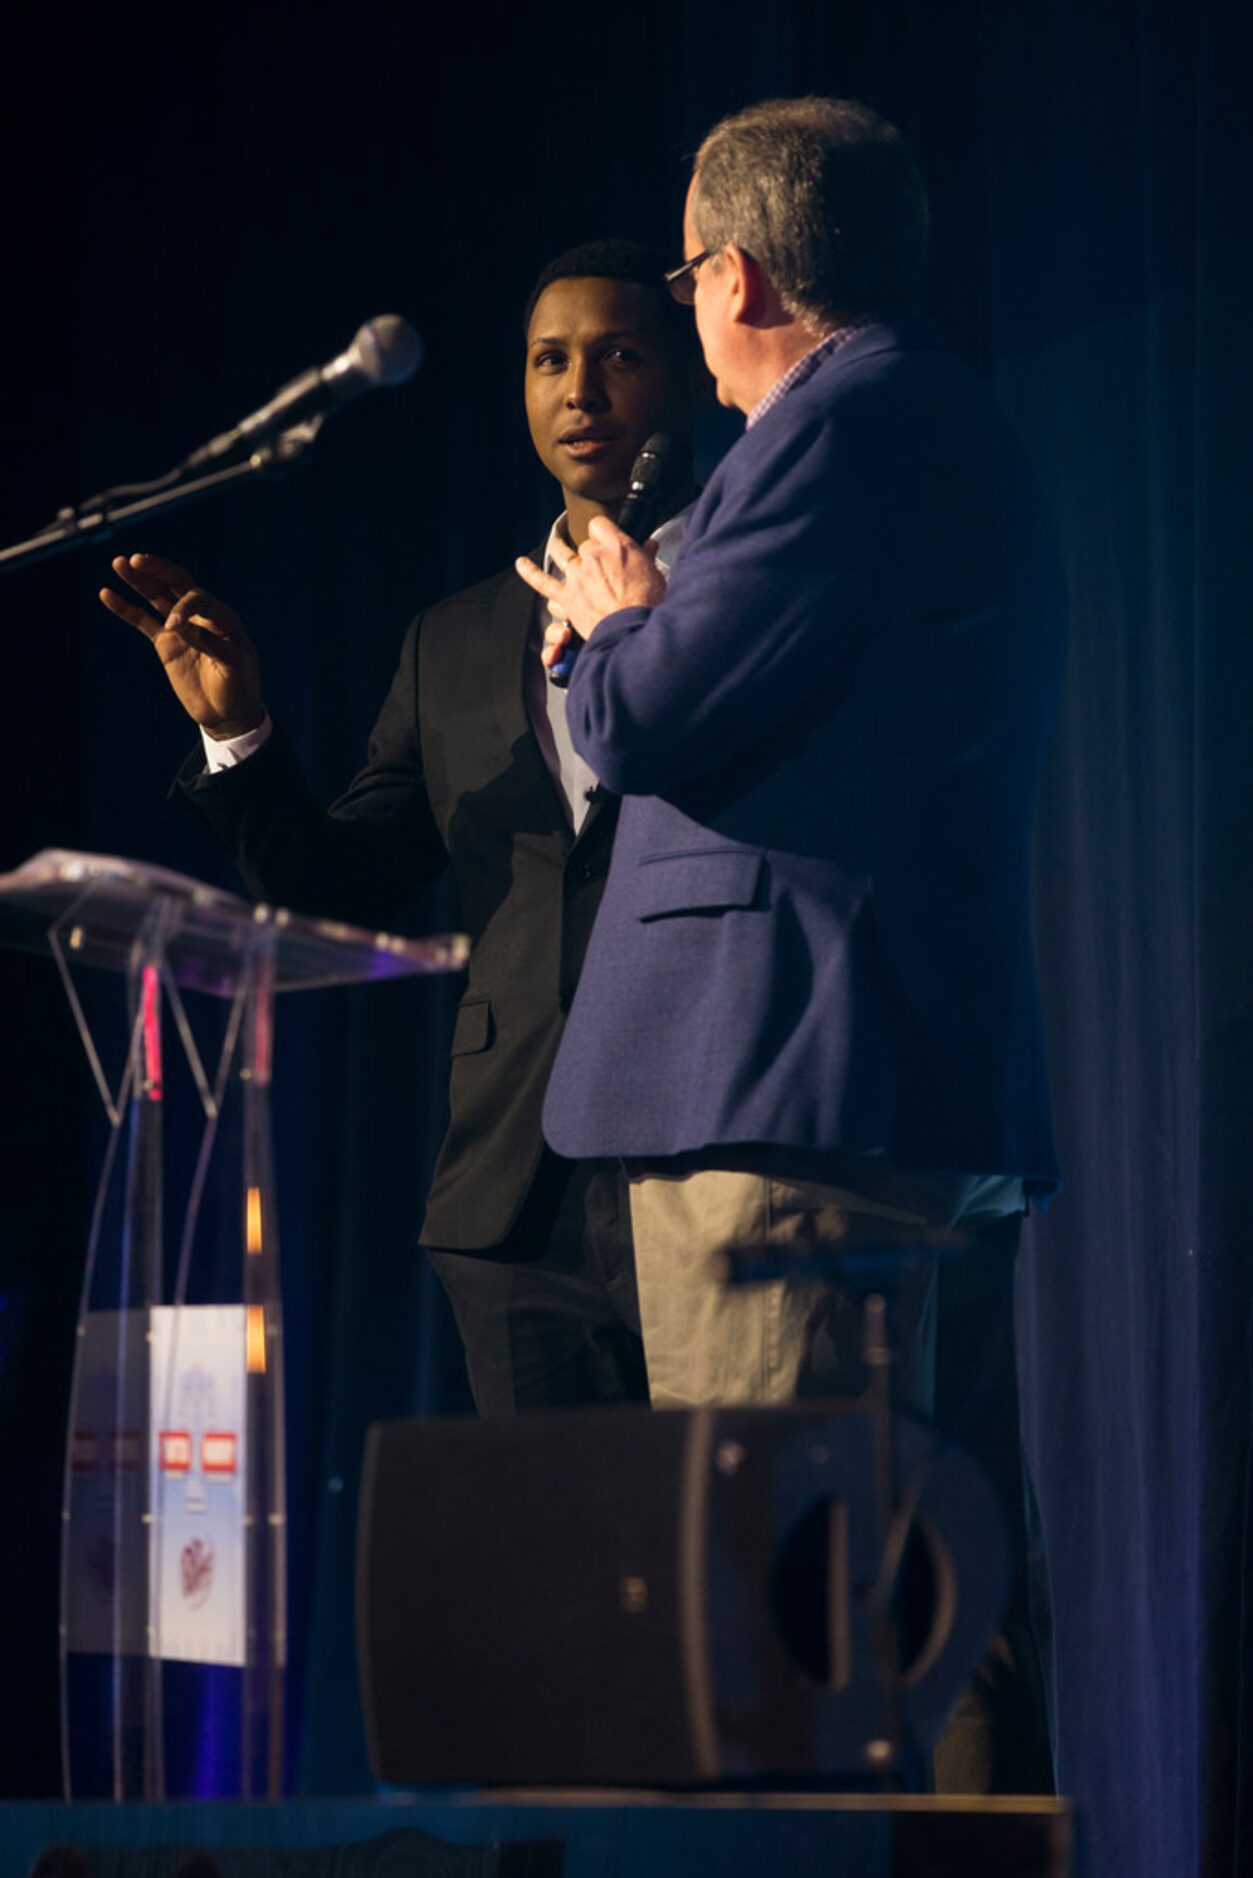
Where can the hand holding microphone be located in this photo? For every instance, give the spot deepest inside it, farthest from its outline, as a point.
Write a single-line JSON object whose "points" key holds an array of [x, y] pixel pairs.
{"points": [[612, 570]]}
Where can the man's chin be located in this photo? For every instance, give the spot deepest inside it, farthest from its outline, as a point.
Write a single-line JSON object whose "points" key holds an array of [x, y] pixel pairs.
{"points": [[609, 490]]}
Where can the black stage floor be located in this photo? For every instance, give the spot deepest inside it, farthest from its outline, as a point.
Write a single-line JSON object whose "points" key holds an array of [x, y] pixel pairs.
{"points": [[567, 1834]]}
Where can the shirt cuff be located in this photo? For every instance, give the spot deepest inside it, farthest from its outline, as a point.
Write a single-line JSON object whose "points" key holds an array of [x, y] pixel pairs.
{"points": [[226, 752]]}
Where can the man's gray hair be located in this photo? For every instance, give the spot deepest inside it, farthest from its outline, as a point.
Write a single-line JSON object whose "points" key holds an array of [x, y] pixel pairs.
{"points": [[825, 196]]}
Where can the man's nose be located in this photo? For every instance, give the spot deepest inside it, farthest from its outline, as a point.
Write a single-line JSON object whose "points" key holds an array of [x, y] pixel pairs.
{"points": [[585, 387]]}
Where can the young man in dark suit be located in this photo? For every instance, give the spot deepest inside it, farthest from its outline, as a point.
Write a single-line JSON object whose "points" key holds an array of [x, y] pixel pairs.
{"points": [[808, 1010], [470, 765]]}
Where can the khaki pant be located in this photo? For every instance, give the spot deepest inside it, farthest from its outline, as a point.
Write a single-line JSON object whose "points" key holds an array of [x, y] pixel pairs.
{"points": [[954, 1358], [707, 1342]]}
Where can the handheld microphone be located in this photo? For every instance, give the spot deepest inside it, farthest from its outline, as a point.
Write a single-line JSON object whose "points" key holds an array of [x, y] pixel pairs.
{"points": [[385, 351], [655, 475]]}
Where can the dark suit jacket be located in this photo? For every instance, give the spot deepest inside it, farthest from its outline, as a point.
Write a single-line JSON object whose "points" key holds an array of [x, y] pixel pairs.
{"points": [[829, 738], [454, 774]]}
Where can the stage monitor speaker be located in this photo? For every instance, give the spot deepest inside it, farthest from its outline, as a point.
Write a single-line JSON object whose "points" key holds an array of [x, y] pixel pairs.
{"points": [[620, 1596]]}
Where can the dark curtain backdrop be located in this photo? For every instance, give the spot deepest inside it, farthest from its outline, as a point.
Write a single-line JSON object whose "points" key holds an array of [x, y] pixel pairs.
{"points": [[201, 202]]}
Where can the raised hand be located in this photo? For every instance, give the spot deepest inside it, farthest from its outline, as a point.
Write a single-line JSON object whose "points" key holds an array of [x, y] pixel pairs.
{"points": [[208, 657]]}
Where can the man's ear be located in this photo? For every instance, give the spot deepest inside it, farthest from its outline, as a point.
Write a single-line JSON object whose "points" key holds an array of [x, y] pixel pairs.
{"points": [[748, 288]]}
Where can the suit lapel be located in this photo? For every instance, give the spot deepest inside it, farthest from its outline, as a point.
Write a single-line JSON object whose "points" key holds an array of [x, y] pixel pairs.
{"points": [[509, 635], [602, 804], [511, 627]]}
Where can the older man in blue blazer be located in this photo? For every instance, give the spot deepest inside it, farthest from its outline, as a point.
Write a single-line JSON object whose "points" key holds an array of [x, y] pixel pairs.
{"points": [[809, 1006]]}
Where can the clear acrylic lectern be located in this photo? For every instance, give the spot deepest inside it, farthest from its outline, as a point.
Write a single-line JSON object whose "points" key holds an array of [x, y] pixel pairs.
{"points": [[173, 1572]]}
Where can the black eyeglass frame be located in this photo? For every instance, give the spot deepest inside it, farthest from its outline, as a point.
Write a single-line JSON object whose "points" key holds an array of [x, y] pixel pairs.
{"points": [[681, 281]]}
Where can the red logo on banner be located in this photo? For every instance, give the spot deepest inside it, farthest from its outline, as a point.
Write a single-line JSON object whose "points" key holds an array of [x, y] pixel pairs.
{"points": [[217, 1452], [196, 1561], [84, 1451], [174, 1446], [128, 1450]]}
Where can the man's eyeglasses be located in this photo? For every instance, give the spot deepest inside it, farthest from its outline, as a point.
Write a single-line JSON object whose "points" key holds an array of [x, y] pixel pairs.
{"points": [[682, 280]]}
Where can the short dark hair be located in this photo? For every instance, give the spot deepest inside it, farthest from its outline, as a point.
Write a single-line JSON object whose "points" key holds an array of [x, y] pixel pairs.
{"points": [[618, 260], [825, 196]]}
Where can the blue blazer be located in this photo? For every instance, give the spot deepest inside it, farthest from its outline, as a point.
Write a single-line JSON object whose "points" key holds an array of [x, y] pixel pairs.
{"points": [[829, 738]]}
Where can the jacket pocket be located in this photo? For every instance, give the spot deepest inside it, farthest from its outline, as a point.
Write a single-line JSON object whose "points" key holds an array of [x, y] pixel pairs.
{"points": [[473, 1029], [709, 880]]}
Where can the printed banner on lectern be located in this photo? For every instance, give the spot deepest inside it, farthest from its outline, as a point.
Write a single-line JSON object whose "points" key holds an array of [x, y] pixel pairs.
{"points": [[197, 1464], [107, 1536]]}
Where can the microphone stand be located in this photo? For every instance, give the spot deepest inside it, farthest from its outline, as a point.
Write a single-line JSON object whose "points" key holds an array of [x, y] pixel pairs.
{"points": [[99, 518]]}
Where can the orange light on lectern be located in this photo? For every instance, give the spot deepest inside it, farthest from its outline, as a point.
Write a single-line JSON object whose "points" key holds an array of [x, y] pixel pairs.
{"points": [[252, 1221], [256, 1340]]}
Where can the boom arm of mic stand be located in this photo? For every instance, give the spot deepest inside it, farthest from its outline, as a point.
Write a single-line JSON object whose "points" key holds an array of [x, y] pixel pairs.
{"points": [[100, 520]]}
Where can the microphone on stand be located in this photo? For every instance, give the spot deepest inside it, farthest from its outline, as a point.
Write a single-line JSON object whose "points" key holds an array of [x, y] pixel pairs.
{"points": [[385, 351], [655, 477]]}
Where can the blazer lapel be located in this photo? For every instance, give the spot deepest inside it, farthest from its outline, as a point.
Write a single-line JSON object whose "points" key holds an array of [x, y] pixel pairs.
{"points": [[509, 635], [604, 804], [511, 627]]}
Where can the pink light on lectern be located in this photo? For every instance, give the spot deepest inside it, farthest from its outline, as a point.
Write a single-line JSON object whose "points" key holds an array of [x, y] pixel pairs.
{"points": [[152, 1032]]}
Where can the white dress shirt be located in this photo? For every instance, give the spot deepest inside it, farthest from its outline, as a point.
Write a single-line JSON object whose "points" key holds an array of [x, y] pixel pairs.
{"points": [[545, 702]]}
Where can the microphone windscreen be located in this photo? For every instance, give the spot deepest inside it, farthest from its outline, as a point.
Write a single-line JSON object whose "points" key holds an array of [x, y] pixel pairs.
{"points": [[654, 460], [386, 350], [655, 474]]}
